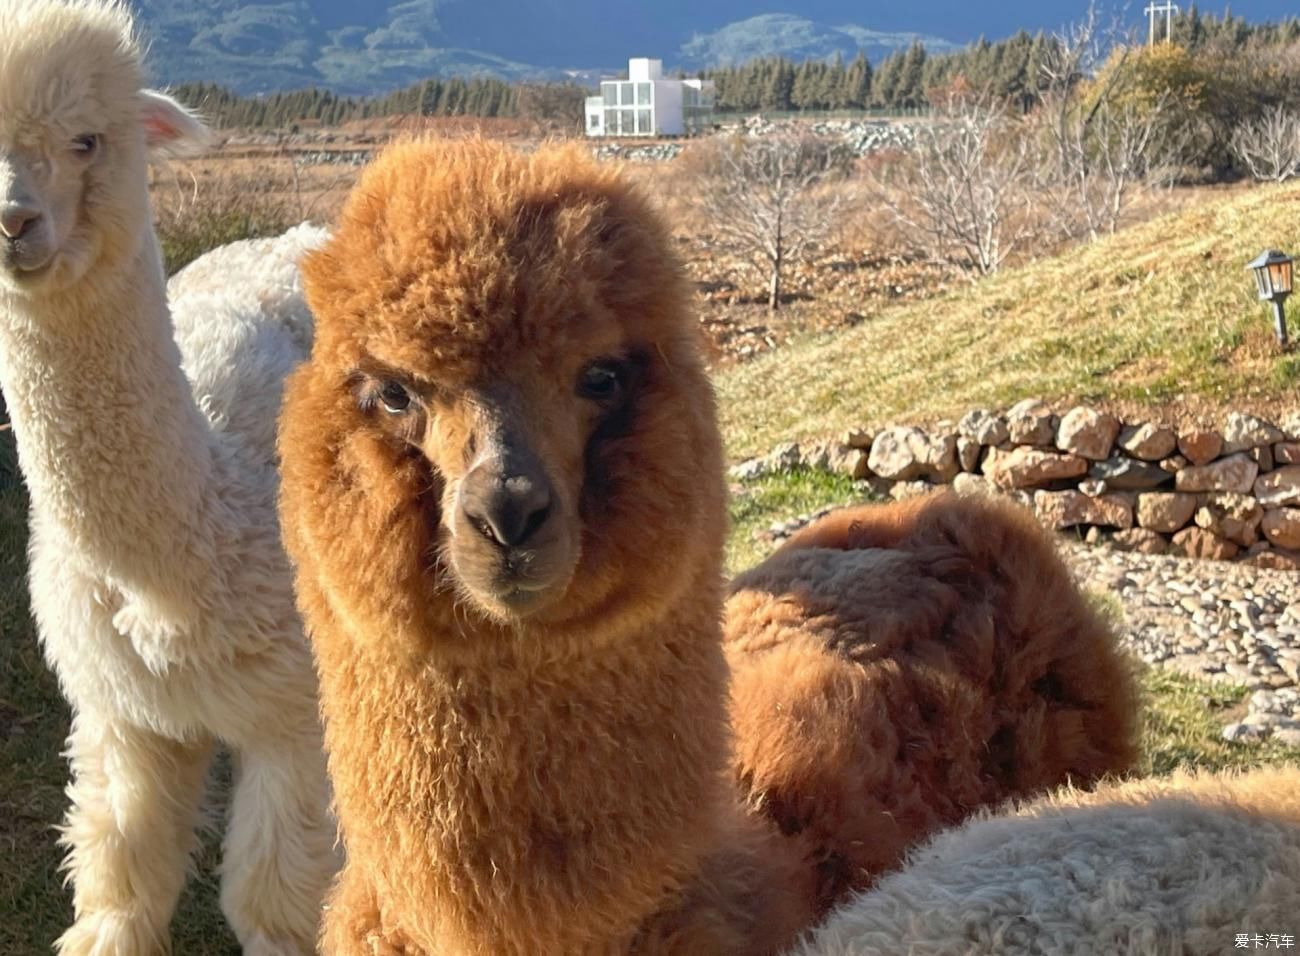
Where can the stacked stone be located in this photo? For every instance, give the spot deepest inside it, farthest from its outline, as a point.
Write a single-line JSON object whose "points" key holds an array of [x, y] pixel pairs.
{"points": [[1142, 486], [638, 152]]}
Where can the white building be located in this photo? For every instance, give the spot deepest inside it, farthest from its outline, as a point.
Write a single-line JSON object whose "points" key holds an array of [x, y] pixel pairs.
{"points": [[645, 104]]}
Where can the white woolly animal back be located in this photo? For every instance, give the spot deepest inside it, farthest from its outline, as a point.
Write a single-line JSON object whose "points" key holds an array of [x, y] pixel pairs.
{"points": [[242, 324], [1172, 866]]}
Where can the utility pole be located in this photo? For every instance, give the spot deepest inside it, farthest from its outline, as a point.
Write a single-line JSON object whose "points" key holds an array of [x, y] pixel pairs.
{"points": [[1168, 8]]}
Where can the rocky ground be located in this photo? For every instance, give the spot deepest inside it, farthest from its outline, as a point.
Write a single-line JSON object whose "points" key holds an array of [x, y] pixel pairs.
{"points": [[1214, 620]]}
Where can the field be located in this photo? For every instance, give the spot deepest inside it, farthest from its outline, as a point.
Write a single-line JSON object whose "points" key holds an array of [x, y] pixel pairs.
{"points": [[1159, 317]]}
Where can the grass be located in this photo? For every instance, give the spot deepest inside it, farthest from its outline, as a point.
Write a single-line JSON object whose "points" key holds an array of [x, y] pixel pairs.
{"points": [[1146, 317]]}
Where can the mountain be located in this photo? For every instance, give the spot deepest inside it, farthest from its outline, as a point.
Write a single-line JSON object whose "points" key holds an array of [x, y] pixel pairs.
{"points": [[368, 48], [798, 38]]}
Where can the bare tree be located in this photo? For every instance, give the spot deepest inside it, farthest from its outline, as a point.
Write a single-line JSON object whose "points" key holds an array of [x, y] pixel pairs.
{"points": [[1269, 145], [764, 196], [1101, 153], [963, 191]]}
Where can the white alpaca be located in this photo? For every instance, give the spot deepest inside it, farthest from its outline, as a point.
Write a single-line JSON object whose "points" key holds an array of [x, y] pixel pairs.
{"points": [[158, 583], [1173, 866]]}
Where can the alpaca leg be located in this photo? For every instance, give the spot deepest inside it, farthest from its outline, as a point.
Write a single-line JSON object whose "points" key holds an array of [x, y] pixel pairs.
{"points": [[279, 854], [129, 833]]}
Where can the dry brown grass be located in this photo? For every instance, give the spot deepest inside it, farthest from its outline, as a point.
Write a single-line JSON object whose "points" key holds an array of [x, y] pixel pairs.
{"points": [[204, 203]]}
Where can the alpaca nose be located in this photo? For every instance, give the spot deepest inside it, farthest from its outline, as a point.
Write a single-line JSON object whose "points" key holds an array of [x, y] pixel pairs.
{"points": [[508, 507], [16, 219]]}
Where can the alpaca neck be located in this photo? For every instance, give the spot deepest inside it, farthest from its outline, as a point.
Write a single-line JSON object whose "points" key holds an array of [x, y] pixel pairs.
{"points": [[538, 807], [113, 448]]}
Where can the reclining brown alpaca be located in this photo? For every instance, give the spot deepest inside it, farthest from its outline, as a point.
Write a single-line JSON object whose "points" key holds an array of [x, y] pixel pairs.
{"points": [[502, 488], [897, 667]]}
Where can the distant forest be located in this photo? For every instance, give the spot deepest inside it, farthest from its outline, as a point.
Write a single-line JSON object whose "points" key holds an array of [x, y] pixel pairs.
{"points": [[903, 81]]}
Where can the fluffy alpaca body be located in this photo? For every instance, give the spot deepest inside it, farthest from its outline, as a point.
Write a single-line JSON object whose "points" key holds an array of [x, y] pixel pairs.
{"points": [[537, 772], [160, 589], [1177, 866], [896, 668], [503, 495]]}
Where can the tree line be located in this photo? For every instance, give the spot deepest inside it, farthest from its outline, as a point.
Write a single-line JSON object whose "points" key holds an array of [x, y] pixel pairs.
{"points": [[453, 96]]}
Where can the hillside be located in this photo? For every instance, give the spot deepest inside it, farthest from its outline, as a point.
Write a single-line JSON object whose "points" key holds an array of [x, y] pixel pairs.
{"points": [[1163, 314]]}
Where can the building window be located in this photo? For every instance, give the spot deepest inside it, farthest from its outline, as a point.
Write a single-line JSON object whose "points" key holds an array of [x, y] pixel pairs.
{"points": [[609, 92], [626, 121], [611, 122], [628, 93], [643, 94], [593, 121], [643, 122]]}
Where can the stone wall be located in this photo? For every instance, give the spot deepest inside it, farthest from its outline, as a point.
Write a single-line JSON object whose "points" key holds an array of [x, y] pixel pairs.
{"points": [[1141, 486]]}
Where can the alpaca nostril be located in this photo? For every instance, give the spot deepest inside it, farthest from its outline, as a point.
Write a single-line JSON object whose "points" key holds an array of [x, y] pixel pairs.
{"points": [[16, 220], [512, 511]]}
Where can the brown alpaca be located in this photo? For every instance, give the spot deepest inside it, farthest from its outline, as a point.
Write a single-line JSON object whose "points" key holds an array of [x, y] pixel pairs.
{"points": [[897, 667], [502, 489]]}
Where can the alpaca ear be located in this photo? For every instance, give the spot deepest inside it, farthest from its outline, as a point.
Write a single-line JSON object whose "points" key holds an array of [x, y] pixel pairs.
{"points": [[170, 130]]}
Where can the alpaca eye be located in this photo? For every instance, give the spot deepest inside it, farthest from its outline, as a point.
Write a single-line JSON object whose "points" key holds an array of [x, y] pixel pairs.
{"points": [[86, 145], [601, 381], [394, 397]]}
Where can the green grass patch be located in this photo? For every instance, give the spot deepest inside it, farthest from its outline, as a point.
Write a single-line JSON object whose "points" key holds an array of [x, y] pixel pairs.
{"points": [[757, 504]]}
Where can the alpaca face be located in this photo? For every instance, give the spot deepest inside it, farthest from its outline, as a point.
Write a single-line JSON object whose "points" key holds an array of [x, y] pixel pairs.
{"points": [[74, 128], [506, 381]]}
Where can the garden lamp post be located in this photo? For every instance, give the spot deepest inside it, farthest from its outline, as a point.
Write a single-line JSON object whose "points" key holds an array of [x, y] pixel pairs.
{"points": [[1273, 277]]}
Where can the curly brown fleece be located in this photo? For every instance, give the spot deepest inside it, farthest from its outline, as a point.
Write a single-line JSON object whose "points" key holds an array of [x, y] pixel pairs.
{"points": [[897, 667], [539, 770]]}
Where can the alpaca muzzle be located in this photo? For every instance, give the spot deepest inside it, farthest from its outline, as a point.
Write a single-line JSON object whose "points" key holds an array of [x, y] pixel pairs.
{"points": [[511, 548]]}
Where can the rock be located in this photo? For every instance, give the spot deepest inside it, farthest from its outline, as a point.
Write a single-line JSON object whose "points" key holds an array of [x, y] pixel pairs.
{"points": [[1244, 432], [1148, 442], [1087, 433], [983, 426], [1232, 516], [785, 457], [850, 461], [1282, 527], [1125, 474], [1200, 447], [1165, 512], [1067, 509], [905, 454], [1274, 560], [1029, 467], [1030, 423], [1140, 540], [967, 484], [1199, 543], [1262, 456], [1096, 536], [1174, 464], [749, 470], [1279, 488], [968, 453], [1235, 733], [1290, 425], [1093, 487], [1286, 453], [1234, 473], [903, 490], [818, 456], [857, 438]]}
